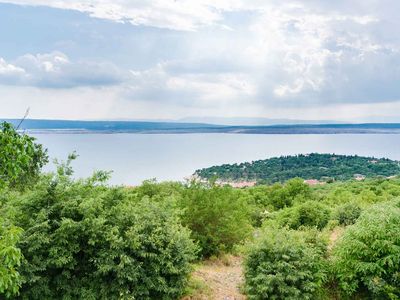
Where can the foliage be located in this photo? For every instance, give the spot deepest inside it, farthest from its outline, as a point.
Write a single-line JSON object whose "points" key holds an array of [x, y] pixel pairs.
{"points": [[308, 214], [282, 196], [21, 159], [285, 264], [10, 259], [348, 213], [367, 258], [313, 166], [84, 240], [159, 191], [263, 200], [217, 217]]}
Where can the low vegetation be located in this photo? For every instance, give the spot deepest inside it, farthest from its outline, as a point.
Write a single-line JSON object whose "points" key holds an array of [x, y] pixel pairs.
{"points": [[10, 259], [83, 240], [367, 258], [285, 264], [310, 214], [62, 238], [217, 217]]}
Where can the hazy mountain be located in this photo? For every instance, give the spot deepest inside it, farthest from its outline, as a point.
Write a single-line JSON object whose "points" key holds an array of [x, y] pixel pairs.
{"points": [[253, 121], [69, 126]]}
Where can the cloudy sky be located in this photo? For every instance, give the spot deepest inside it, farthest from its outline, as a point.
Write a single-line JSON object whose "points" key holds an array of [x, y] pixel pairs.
{"points": [[171, 59]]}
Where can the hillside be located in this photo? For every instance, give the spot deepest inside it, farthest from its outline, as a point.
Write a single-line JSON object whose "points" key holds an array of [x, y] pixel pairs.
{"points": [[312, 166]]}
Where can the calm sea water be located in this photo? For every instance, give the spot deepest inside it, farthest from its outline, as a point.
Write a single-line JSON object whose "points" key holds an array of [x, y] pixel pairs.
{"points": [[136, 157]]}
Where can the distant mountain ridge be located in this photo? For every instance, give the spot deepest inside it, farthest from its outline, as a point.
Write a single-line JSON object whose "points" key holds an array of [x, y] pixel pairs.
{"points": [[71, 126], [107, 126], [242, 121]]}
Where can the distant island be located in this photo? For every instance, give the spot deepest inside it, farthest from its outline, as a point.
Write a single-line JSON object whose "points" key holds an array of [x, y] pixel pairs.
{"points": [[314, 166], [77, 126]]}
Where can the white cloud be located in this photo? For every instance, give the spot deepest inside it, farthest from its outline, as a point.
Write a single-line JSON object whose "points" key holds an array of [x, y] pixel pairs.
{"points": [[178, 14], [173, 14], [10, 73], [306, 46], [277, 56], [55, 70], [187, 89]]}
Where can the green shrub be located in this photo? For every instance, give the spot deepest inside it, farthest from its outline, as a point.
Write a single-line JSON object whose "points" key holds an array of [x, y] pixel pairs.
{"points": [[21, 159], [217, 216], [367, 257], [278, 197], [348, 213], [294, 190], [258, 202], [285, 264], [264, 199], [83, 240], [308, 214], [158, 191], [10, 259]]}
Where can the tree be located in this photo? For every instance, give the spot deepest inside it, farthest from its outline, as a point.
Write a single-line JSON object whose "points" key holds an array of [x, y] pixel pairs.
{"points": [[21, 159]]}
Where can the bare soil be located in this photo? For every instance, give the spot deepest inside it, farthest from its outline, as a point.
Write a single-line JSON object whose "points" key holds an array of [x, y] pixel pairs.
{"points": [[222, 279]]}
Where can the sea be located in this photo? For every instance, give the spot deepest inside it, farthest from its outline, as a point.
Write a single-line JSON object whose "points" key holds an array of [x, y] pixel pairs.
{"points": [[133, 158]]}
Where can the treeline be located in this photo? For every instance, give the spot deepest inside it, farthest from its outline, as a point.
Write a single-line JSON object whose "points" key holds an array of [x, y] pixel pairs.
{"points": [[325, 167], [62, 238]]}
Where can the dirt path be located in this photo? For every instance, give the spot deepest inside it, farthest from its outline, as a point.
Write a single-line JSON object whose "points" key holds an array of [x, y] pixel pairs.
{"points": [[222, 279], [334, 236]]}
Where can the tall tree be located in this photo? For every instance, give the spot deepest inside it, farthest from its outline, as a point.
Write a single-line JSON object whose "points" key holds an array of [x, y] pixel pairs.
{"points": [[21, 159]]}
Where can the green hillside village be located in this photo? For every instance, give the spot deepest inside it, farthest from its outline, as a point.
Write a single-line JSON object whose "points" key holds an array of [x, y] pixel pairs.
{"points": [[317, 226], [314, 168]]}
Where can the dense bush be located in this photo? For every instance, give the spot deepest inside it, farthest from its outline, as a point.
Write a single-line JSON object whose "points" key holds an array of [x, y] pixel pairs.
{"points": [[295, 190], [284, 264], [159, 191], [258, 203], [83, 240], [367, 257], [308, 214], [217, 217], [10, 259], [348, 213], [21, 159]]}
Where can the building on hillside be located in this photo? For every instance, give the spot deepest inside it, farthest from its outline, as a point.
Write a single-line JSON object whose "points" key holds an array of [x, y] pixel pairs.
{"points": [[237, 184], [359, 177], [242, 184], [313, 182]]}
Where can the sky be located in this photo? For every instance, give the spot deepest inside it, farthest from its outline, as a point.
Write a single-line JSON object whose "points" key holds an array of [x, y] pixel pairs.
{"points": [[173, 59]]}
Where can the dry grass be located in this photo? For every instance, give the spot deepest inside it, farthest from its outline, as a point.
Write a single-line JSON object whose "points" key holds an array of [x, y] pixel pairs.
{"points": [[218, 279]]}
